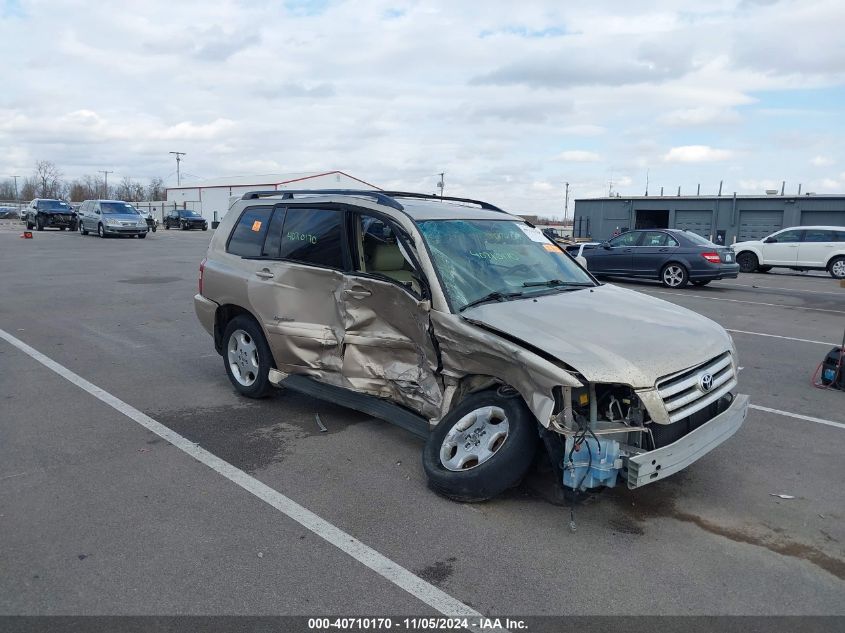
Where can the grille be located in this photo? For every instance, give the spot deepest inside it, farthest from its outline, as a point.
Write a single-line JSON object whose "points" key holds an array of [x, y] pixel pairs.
{"points": [[682, 396]]}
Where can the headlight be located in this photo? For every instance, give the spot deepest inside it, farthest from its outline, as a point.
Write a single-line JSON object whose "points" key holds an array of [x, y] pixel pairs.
{"points": [[111, 222]]}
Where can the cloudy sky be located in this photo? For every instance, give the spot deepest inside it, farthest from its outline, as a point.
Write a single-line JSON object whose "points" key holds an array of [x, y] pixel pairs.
{"points": [[510, 99]]}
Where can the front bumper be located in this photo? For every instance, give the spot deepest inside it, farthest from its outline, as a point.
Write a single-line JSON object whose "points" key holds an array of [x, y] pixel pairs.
{"points": [[124, 230], [59, 221], [646, 468]]}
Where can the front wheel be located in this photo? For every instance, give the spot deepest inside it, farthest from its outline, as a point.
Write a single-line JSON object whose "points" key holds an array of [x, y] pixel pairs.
{"points": [[482, 447], [141, 236], [39, 223], [247, 357], [674, 276], [748, 262], [837, 268], [101, 231], [166, 225], [29, 225]]}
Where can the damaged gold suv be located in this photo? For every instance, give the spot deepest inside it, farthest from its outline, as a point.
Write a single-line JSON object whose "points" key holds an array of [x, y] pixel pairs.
{"points": [[466, 325]]}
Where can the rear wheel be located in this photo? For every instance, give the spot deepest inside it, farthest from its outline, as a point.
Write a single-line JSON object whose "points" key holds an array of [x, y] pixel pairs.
{"points": [[701, 282], [836, 268], [674, 276], [247, 357], [481, 448], [748, 262]]}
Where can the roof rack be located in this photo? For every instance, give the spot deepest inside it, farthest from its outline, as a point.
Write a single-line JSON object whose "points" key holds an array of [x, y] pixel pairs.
{"points": [[432, 196], [378, 196]]}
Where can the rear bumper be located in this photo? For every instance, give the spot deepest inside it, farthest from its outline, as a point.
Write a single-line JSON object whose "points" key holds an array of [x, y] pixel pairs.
{"points": [[722, 271], [649, 467], [206, 310]]}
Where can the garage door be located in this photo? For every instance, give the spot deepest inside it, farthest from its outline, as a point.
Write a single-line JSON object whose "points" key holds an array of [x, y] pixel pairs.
{"points": [[823, 218], [695, 221], [754, 225]]}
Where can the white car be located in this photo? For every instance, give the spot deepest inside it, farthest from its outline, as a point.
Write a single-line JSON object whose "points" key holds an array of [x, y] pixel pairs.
{"points": [[799, 248]]}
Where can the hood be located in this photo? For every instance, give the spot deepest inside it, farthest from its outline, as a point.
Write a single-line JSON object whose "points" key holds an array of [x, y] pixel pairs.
{"points": [[609, 335], [747, 243]]}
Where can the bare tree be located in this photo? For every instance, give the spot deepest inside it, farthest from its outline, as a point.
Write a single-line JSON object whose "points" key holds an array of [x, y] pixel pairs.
{"points": [[48, 179], [7, 190], [156, 190], [29, 189]]}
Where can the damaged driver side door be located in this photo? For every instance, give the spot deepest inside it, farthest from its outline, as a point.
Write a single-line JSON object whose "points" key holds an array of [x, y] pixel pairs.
{"points": [[389, 350]]}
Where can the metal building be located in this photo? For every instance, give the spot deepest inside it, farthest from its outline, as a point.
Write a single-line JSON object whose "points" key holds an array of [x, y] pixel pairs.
{"points": [[211, 197], [722, 219]]}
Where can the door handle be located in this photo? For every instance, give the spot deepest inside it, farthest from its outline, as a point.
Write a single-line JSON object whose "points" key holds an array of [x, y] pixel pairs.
{"points": [[664, 250], [264, 273], [356, 293]]}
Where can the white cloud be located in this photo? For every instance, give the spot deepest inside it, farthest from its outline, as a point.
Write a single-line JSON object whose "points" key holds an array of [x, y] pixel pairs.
{"points": [[702, 115], [822, 161], [578, 156], [696, 154]]}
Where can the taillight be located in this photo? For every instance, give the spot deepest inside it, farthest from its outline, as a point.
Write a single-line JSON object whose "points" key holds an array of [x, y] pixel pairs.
{"points": [[202, 271], [713, 258]]}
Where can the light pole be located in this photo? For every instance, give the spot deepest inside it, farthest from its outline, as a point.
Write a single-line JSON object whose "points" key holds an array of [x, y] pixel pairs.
{"points": [[106, 174], [16, 187], [566, 204], [179, 156]]}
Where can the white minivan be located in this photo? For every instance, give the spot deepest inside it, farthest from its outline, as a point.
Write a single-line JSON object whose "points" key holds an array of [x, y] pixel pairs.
{"points": [[799, 248]]}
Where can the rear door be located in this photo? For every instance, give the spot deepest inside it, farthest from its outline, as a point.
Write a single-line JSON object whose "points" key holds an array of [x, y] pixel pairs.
{"points": [[783, 250], [816, 248], [294, 271], [388, 347]]}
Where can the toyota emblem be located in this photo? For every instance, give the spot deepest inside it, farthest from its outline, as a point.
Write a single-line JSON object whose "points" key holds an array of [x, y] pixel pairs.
{"points": [[705, 382]]}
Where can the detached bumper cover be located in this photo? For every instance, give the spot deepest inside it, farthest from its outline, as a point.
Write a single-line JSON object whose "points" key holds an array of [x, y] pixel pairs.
{"points": [[647, 468]]}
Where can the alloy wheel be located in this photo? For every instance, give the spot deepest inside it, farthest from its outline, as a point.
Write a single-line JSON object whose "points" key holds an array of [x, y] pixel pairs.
{"points": [[474, 439]]}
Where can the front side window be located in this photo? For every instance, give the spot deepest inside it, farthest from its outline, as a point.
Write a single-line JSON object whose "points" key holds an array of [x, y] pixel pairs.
{"points": [[247, 238], [787, 236], [378, 251], [313, 236], [626, 239], [475, 258]]}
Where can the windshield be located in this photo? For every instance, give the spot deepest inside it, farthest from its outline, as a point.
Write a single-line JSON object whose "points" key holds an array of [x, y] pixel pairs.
{"points": [[53, 205], [697, 239], [478, 257], [117, 208], [189, 214]]}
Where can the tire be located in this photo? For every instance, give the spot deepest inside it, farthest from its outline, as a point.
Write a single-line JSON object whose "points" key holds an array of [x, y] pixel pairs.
{"points": [[101, 231], [154, 228], [166, 225], [82, 230], [674, 275], [763, 269], [701, 282], [29, 225], [205, 228], [39, 223], [244, 339], [748, 262], [504, 461], [142, 236], [61, 228], [836, 268], [183, 226]]}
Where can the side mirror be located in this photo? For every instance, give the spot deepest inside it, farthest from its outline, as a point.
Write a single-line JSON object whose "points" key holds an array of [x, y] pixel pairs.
{"points": [[770, 240]]}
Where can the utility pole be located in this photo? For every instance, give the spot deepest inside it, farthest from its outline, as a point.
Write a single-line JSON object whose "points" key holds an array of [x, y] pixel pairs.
{"points": [[442, 184], [16, 187], [106, 174], [566, 203], [179, 156]]}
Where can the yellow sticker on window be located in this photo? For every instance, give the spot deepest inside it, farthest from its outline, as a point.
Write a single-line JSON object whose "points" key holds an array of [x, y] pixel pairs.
{"points": [[551, 248], [256, 226]]}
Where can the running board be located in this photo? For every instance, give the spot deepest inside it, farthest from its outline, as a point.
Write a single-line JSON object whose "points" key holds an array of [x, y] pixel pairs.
{"points": [[364, 403]]}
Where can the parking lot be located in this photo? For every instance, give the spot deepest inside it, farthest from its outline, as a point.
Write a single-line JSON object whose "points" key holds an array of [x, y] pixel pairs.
{"points": [[102, 516]]}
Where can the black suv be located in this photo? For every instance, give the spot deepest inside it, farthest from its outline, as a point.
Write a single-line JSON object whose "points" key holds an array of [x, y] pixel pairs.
{"points": [[185, 220], [47, 212]]}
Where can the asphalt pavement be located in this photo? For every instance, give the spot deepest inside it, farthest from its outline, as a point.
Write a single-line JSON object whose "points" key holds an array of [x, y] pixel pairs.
{"points": [[101, 516]]}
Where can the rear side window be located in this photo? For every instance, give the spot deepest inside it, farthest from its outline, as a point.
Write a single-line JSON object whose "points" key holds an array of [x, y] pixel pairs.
{"points": [[313, 236], [840, 236], [818, 235], [247, 239]]}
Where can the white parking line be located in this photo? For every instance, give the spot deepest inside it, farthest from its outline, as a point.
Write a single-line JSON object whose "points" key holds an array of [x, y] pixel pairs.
{"points": [[808, 418], [756, 303], [788, 338], [815, 292], [395, 573]]}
